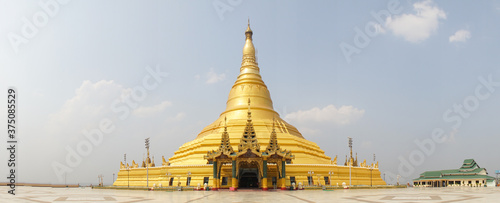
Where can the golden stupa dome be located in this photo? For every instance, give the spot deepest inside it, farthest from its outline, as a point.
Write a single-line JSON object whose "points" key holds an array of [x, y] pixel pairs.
{"points": [[249, 85]]}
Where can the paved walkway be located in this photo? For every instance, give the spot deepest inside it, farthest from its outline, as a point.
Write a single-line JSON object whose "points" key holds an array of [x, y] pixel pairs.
{"points": [[428, 195]]}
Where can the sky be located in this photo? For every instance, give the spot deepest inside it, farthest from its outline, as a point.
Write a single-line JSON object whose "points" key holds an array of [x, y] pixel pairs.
{"points": [[415, 83]]}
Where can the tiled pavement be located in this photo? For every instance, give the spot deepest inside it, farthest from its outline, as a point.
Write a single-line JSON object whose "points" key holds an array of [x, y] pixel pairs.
{"points": [[428, 195]]}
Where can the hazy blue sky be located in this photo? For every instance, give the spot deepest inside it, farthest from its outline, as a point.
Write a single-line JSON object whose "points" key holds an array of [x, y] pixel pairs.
{"points": [[389, 74]]}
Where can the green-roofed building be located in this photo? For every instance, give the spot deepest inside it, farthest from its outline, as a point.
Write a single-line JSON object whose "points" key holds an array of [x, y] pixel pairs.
{"points": [[470, 174]]}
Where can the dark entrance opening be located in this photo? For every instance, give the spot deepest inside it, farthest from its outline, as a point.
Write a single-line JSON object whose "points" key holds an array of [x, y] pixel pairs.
{"points": [[248, 178]]}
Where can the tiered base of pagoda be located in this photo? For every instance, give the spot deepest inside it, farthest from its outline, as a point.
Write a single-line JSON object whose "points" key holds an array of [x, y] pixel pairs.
{"points": [[200, 174]]}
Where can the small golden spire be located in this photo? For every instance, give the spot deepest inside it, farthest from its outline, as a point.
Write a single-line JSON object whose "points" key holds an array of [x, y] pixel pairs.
{"points": [[273, 146]]}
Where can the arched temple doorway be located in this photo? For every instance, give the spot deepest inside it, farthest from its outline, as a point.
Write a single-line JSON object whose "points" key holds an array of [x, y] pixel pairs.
{"points": [[248, 175]]}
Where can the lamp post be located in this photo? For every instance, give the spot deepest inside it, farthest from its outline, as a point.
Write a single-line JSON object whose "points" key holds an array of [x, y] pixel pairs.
{"points": [[398, 178], [330, 173], [147, 163], [350, 147], [188, 182], [113, 178], [311, 173], [100, 178], [371, 172]]}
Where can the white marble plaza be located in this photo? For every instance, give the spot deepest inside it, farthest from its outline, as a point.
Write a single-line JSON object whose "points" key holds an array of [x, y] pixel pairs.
{"points": [[75, 195]]}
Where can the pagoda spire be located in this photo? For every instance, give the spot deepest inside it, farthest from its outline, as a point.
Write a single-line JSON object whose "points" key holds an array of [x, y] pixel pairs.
{"points": [[249, 138], [249, 84], [273, 141], [225, 147], [225, 144], [356, 160]]}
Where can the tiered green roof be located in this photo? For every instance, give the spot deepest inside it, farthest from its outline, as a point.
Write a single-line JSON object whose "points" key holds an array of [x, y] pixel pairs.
{"points": [[469, 165], [469, 170]]}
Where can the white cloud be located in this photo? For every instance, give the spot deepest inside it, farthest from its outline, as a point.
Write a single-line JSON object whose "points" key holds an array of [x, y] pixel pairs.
{"points": [[329, 114], [91, 102], [65, 128], [177, 117], [460, 36], [416, 27], [79, 120], [144, 111], [213, 77]]}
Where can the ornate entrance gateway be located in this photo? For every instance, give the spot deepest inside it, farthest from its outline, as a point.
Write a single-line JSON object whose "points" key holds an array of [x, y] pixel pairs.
{"points": [[249, 164], [249, 178]]}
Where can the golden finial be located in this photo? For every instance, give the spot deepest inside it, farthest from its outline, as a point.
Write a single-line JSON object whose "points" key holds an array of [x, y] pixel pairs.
{"points": [[249, 49], [248, 32]]}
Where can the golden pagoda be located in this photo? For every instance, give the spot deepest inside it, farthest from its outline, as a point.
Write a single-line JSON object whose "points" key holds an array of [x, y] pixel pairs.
{"points": [[249, 145]]}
